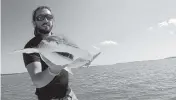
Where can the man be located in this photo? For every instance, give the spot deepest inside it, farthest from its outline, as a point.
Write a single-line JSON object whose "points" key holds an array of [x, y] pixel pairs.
{"points": [[51, 84]]}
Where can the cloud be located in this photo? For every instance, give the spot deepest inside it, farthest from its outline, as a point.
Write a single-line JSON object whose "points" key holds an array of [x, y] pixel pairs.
{"points": [[108, 43], [172, 21], [168, 25], [102, 46], [162, 24]]}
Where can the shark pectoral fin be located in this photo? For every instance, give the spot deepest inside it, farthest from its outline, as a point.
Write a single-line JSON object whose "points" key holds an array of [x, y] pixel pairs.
{"points": [[27, 50], [68, 70], [95, 56]]}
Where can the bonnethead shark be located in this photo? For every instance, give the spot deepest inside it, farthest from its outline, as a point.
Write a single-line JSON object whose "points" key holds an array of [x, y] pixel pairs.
{"points": [[59, 50]]}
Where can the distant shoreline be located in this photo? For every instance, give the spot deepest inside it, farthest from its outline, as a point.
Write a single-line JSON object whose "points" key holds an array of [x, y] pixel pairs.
{"points": [[13, 73]]}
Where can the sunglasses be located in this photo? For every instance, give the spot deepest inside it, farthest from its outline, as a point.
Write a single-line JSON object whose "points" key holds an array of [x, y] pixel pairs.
{"points": [[42, 17]]}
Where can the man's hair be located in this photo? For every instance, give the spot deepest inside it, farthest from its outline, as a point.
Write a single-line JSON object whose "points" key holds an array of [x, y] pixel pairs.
{"points": [[39, 8]]}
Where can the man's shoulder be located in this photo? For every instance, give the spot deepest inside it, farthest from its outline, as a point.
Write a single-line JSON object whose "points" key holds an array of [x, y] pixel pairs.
{"points": [[33, 42]]}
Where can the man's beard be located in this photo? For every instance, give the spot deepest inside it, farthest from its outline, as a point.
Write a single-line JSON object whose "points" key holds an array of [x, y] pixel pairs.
{"points": [[42, 31]]}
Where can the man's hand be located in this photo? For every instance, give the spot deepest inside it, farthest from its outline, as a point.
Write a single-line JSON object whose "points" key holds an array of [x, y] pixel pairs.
{"points": [[70, 95]]}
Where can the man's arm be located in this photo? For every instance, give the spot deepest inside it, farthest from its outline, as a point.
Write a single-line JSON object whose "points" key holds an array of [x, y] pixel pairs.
{"points": [[34, 67], [40, 78]]}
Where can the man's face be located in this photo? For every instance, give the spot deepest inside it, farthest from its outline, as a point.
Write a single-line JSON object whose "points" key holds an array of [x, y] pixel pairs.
{"points": [[44, 20]]}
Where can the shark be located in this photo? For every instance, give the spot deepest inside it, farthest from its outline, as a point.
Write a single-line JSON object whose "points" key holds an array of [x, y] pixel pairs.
{"points": [[59, 50]]}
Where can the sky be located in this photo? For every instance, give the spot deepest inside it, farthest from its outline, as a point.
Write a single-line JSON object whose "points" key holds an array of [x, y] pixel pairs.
{"points": [[123, 30]]}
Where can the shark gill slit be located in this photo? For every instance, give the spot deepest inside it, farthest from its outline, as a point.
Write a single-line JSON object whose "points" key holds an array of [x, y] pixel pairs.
{"points": [[65, 54]]}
